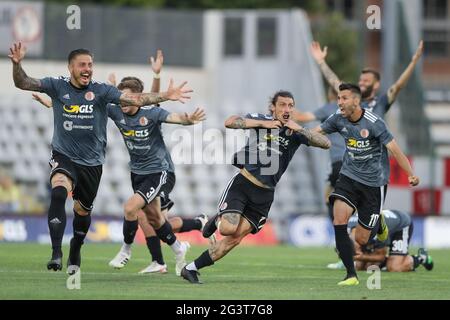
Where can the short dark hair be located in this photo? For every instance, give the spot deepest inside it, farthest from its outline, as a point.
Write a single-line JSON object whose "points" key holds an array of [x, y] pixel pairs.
{"points": [[139, 81], [78, 52], [375, 73], [350, 86], [132, 84], [281, 93]]}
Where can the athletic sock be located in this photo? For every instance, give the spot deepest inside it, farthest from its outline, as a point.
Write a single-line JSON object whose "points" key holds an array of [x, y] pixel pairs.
{"points": [[154, 246], [345, 248], [190, 224], [203, 260], [57, 217], [416, 262], [165, 233], [81, 226], [129, 230]]}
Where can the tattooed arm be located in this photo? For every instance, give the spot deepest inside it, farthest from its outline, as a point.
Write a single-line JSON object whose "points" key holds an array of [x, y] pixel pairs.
{"points": [[319, 56], [315, 138], [21, 80], [141, 99], [24, 82], [238, 122]]}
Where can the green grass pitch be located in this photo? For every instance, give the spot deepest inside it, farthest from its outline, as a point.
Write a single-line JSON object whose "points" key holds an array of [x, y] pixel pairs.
{"points": [[281, 272]]}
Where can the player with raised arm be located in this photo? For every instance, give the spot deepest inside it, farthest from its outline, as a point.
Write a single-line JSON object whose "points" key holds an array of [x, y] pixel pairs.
{"points": [[79, 141], [245, 203], [364, 176]]}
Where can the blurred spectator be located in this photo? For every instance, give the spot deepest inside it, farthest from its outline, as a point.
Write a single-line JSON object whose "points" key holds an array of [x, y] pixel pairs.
{"points": [[10, 195]]}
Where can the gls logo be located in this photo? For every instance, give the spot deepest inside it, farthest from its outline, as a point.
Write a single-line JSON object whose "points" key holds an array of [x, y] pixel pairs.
{"points": [[84, 108], [358, 144], [136, 133], [282, 141]]}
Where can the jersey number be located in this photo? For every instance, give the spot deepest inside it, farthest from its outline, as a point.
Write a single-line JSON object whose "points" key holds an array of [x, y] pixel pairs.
{"points": [[373, 220]]}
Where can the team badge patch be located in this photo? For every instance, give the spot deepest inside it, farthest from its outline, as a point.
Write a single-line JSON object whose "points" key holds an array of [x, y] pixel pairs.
{"points": [[89, 96], [223, 206], [364, 133], [143, 121]]}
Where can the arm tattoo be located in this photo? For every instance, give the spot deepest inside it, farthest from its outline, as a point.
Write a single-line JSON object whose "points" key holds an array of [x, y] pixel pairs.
{"points": [[24, 82], [232, 218], [141, 99], [331, 77], [239, 123], [316, 139]]}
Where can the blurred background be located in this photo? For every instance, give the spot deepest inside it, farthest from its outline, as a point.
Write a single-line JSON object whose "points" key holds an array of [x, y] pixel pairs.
{"points": [[235, 55]]}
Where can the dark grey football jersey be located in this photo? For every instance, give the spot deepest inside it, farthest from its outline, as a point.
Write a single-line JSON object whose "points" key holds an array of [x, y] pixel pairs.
{"points": [[143, 138], [80, 118], [268, 152], [378, 105], [366, 157], [337, 149]]}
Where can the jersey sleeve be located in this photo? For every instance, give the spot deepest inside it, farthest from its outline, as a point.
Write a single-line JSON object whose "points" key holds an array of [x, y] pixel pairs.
{"points": [[159, 114], [330, 125], [112, 94], [112, 111], [50, 86], [382, 132], [302, 139], [384, 102]]}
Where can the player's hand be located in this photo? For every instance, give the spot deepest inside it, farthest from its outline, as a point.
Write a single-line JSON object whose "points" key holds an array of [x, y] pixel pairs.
{"points": [[291, 124], [413, 180], [112, 79], [271, 124], [197, 116], [177, 93], [419, 52], [45, 102], [158, 62], [318, 54], [17, 52]]}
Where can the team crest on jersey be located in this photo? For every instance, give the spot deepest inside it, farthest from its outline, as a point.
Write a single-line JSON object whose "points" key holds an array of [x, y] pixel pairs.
{"points": [[364, 133], [223, 206], [143, 121], [89, 96], [372, 103]]}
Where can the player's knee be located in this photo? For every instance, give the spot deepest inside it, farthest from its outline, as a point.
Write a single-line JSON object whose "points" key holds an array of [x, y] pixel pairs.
{"points": [[393, 267], [226, 228], [130, 211], [79, 209]]}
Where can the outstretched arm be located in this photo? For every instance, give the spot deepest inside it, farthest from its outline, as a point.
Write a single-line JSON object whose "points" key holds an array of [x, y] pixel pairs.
{"points": [[403, 161], [319, 56], [21, 80], [156, 68], [403, 79], [187, 119], [238, 122], [44, 101], [315, 139], [173, 93]]}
